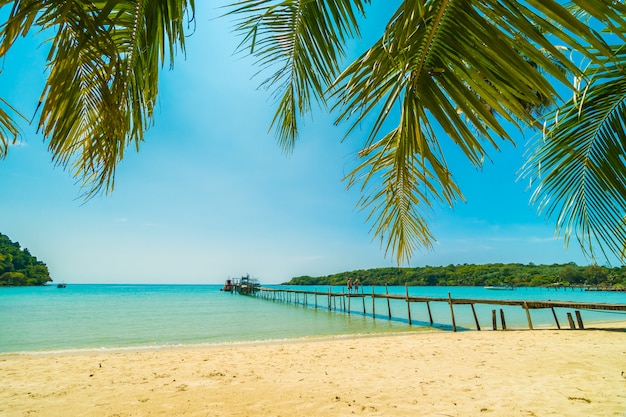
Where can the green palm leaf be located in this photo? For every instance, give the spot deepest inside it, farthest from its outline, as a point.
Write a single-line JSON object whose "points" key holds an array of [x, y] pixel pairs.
{"points": [[458, 70], [103, 68], [446, 86], [579, 167], [9, 130], [301, 43]]}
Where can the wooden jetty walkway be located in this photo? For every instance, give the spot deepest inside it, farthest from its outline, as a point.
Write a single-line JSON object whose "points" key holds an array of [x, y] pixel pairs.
{"points": [[345, 299]]}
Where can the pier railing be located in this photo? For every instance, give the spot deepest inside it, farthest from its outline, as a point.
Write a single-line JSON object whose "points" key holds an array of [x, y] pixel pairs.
{"points": [[343, 301]]}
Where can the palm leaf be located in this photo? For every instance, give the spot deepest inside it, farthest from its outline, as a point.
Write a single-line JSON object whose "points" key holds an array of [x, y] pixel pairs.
{"points": [[443, 82], [103, 68], [9, 131], [452, 69], [301, 43], [578, 169]]}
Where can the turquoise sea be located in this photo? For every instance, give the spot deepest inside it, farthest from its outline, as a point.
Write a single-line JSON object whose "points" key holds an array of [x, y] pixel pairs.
{"points": [[112, 317]]}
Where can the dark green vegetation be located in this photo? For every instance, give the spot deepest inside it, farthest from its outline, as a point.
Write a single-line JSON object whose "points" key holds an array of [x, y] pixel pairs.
{"points": [[18, 267], [479, 275]]}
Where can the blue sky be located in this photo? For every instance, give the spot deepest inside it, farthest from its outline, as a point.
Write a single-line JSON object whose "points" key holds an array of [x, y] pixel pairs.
{"points": [[210, 195]]}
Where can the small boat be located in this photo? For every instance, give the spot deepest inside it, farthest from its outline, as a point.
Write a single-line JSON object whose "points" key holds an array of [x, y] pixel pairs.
{"points": [[499, 287], [61, 285], [228, 286]]}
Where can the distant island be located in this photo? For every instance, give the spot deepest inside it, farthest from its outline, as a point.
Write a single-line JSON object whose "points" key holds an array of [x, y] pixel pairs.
{"points": [[18, 267], [517, 275]]}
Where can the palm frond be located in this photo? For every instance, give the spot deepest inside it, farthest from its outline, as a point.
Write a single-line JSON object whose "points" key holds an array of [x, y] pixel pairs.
{"points": [[301, 43], [103, 68], [467, 69], [578, 168], [9, 130]]}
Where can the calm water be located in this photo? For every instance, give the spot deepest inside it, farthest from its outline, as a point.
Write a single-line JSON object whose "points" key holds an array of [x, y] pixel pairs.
{"points": [[131, 316]]}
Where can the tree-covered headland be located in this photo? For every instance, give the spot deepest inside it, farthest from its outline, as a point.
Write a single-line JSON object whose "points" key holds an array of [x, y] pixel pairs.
{"points": [[518, 275], [18, 267]]}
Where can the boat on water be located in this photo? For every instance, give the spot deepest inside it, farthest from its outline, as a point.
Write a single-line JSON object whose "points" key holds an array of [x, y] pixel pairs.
{"points": [[499, 287], [61, 285], [244, 285], [248, 285], [228, 286]]}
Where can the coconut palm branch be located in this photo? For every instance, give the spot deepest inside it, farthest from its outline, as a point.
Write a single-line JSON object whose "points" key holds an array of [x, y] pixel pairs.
{"points": [[103, 66], [578, 168], [301, 42], [9, 130], [458, 70]]}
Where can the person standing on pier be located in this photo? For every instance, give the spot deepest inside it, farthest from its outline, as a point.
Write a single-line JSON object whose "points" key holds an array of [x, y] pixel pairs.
{"points": [[356, 285], [349, 284]]}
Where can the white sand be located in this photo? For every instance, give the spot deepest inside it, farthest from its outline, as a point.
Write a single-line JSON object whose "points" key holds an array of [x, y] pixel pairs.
{"points": [[504, 373]]}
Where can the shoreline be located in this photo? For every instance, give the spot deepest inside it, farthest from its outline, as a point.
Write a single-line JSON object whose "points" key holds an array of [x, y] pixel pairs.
{"points": [[220, 345], [612, 325], [497, 373]]}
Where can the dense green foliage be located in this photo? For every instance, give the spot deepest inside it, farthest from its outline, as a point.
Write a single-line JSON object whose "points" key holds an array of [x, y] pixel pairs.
{"points": [[479, 275], [18, 267]]}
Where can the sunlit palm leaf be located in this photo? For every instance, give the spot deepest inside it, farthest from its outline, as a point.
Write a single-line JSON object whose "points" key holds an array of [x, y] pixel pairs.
{"points": [[301, 43], [454, 69], [450, 67], [9, 130], [579, 166], [103, 76]]}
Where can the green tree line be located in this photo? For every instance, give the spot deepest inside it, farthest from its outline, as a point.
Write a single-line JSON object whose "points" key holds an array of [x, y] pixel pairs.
{"points": [[518, 275], [18, 267]]}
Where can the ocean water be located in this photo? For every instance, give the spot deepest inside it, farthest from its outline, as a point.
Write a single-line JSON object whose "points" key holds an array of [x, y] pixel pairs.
{"points": [[87, 317]]}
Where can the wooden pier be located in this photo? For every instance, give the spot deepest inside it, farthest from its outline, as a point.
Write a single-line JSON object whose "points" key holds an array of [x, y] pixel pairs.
{"points": [[348, 301]]}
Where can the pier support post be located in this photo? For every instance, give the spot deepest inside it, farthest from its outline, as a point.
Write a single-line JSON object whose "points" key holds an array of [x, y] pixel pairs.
{"points": [[388, 303], [452, 312], [502, 319], [343, 300], [363, 299], [408, 303], [473, 312], [579, 319], [494, 322], [530, 323], [329, 299], [430, 314], [373, 305], [558, 325], [571, 321]]}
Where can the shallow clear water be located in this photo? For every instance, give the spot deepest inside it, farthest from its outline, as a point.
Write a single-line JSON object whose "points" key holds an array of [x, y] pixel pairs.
{"points": [[121, 316]]}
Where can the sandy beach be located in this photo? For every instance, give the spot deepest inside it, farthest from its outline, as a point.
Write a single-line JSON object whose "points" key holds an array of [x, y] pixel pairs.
{"points": [[488, 373]]}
